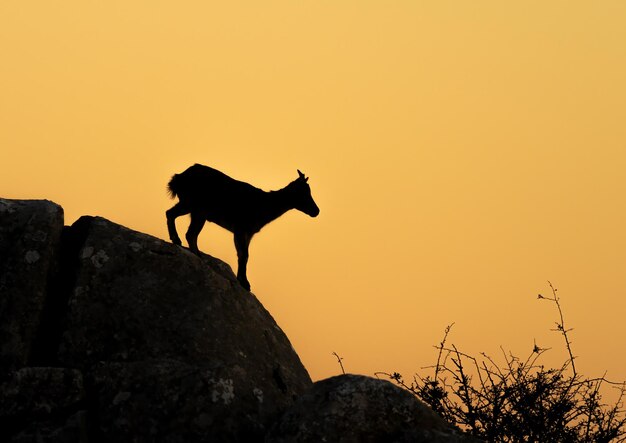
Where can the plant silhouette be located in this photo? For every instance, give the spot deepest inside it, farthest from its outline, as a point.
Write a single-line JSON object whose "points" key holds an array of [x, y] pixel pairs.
{"points": [[210, 195], [522, 400]]}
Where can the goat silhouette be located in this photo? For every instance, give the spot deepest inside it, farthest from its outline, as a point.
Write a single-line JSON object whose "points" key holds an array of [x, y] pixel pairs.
{"points": [[210, 195]]}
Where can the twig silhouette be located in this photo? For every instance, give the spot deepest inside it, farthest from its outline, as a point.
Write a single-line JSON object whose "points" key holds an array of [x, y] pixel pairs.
{"points": [[560, 326], [339, 359]]}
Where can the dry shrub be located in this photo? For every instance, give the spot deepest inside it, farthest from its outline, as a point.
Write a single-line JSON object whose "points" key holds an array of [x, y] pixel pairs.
{"points": [[521, 400]]}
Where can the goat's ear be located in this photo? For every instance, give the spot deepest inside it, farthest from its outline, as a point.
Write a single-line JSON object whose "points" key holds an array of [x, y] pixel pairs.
{"points": [[301, 175]]}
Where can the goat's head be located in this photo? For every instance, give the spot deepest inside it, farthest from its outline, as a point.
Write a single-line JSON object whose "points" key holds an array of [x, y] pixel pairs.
{"points": [[301, 196]]}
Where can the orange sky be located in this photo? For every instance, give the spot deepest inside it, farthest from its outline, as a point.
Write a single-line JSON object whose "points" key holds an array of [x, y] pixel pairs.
{"points": [[462, 154]]}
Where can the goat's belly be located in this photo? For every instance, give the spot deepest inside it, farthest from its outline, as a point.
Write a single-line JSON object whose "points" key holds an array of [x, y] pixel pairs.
{"points": [[220, 220], [225, 224], [235, 225], [232, 217], [226, 221]]}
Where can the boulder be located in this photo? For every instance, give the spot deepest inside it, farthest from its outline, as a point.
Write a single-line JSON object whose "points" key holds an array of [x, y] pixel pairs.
{"points": [[30, 232], [360, 409], [146, 317]]}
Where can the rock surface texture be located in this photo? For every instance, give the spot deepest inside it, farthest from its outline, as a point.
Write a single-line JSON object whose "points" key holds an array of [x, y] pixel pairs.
{"points": [[111, 335]]}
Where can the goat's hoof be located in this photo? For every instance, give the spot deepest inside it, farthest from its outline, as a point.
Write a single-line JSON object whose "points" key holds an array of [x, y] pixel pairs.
{"points": [[245, 284], [177, 241]]}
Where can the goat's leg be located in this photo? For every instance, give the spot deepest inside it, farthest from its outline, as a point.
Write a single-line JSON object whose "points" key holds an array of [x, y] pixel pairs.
{"points": [[197, 222], [242, 242], [176, 211]]}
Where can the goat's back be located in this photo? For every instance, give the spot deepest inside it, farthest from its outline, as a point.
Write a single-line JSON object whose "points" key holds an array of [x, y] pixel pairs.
{"points": [[200, 184]]}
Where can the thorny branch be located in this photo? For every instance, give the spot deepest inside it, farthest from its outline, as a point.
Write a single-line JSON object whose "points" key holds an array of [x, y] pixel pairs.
{"points": [[560, 326]]}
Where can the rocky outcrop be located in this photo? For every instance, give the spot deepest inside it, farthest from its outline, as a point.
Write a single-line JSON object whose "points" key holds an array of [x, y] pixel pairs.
{"points": [[359, 409], [163, 345], [111, 335]]}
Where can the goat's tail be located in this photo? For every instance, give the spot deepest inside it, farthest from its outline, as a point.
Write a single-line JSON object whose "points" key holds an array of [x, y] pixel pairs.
{"points": [[173, 186]]}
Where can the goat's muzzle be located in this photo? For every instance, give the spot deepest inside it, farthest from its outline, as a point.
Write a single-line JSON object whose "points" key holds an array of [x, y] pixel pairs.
{"points": [[313, 212]]}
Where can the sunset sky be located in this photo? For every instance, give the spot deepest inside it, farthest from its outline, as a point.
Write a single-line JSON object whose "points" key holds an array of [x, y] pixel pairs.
{"points": [[462, 153]]}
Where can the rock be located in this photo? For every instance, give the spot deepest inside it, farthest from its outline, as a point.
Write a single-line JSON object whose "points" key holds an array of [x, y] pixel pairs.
{"points": [[159, 316], [42, 404], [359, 409], [30, 232]]}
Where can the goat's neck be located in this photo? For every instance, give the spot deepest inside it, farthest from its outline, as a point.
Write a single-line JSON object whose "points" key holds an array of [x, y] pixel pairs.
{"points": [[277, 203]]}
